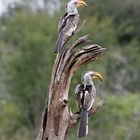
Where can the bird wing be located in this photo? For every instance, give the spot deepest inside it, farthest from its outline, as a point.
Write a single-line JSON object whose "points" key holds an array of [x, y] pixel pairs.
{"points": [[79, 88], [65, 20], [79, 95], [66, 28], [62, 22]]}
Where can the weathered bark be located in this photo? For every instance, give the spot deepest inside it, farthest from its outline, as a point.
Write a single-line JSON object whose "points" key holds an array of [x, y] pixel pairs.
{"points": [[76, 116], [57, 119]]}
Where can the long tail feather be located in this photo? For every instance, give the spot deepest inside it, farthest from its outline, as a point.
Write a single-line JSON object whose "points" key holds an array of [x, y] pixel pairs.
{"points": [[59, 42], [83, 129]]}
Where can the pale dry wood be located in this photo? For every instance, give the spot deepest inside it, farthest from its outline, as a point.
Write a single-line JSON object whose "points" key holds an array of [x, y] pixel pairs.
{"points": [[57, 119], [74, 117]]}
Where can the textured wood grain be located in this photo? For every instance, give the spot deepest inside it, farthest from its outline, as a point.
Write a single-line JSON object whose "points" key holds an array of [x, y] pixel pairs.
{"points": [[57, 119]]}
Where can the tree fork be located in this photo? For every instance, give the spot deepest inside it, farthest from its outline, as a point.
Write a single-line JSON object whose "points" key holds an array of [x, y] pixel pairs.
{"points": [[57, 119]]}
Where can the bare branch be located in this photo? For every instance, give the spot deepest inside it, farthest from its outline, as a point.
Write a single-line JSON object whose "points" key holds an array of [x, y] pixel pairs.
{"points": [[74, 118]]}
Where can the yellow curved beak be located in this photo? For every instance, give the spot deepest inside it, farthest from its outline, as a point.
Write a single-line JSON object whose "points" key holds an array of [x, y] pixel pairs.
{"points": [[81, 3], [97, 75]]}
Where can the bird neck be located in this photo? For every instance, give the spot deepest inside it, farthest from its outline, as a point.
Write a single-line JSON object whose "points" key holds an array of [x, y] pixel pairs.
{"points": [[71, 8], [87, 79]]}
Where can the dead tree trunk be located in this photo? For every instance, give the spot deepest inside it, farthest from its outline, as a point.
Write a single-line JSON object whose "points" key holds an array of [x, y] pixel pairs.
{"points": [[57, 119]]}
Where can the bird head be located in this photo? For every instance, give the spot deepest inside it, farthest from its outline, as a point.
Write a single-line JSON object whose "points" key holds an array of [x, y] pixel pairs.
{"points": [[72, 5], [89, 75]]}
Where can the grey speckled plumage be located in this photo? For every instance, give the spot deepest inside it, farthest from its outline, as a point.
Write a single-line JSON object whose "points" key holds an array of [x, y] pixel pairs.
{"points": [[67, 25], [66, 30], [85, 94]]}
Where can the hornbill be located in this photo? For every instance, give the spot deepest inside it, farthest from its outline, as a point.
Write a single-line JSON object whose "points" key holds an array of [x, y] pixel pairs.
{"points": [[68, 23], [85, 96]]}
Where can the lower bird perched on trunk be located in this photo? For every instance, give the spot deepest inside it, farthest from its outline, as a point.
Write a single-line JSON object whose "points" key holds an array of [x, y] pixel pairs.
{"points": [[85, 96]]}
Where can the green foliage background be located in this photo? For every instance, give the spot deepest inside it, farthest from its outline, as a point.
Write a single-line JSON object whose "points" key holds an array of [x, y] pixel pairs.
{"points": [[27, 39]]}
